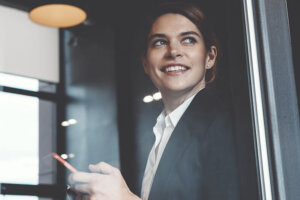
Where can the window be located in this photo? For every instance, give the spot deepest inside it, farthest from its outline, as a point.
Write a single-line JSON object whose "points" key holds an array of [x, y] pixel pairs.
{"points": [[27, 132]]}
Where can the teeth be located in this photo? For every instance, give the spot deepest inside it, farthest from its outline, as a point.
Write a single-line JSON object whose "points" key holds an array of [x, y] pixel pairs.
{"points": [[175, 68]]}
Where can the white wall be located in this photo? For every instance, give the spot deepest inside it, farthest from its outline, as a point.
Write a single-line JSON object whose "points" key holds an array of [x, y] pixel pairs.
{"points": [[26, 48]]}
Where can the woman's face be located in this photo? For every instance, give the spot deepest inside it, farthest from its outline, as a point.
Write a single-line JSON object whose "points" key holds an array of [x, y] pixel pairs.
{"points": [[176, 58]]}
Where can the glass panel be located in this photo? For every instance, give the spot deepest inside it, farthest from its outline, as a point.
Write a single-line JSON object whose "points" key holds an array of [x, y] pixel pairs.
{"points": [[19, 155], [19, 138]]}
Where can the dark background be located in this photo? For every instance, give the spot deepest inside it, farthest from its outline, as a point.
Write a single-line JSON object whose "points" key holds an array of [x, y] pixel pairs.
{"points": [[103, 84]]}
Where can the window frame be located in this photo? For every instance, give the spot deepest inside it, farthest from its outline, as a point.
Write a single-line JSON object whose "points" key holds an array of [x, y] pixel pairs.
{"points": [[278, 133]]}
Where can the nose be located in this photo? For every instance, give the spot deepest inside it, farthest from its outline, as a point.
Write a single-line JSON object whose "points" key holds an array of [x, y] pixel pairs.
{"points": [[174, 50]]}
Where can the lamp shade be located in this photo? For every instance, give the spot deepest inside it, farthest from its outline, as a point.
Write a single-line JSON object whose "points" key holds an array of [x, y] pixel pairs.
{"points": [[58, 15]]}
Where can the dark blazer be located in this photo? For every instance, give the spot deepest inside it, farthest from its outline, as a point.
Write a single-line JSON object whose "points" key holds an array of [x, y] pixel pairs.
{"points": [[199, 161]]}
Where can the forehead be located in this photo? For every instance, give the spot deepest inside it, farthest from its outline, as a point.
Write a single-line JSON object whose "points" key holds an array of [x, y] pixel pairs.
{"points": [[173, 23]]}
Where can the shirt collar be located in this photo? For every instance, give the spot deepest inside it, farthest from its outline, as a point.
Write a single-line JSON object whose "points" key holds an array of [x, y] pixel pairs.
{"points": [[173, 117], [176, 114]]}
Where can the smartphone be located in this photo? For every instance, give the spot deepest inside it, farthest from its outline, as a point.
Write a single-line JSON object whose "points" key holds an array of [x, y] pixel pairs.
{"points": [[65, 163]]}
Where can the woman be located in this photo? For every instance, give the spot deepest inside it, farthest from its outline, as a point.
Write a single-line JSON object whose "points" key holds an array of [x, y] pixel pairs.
{"points": [[193, 156]]}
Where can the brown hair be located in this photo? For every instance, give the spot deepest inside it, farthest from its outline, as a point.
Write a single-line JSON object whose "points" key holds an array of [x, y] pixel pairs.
{"points": [[195, 15]]}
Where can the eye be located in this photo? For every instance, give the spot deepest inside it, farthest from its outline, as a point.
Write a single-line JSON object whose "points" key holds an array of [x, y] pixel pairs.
{"points": [[189, 40], [159, 43]]}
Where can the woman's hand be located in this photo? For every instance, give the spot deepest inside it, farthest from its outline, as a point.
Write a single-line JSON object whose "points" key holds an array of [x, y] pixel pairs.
{"points": [[104, 183]]}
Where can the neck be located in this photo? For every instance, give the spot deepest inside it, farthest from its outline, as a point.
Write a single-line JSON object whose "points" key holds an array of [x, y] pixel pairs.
{"points": [[172, 100]]}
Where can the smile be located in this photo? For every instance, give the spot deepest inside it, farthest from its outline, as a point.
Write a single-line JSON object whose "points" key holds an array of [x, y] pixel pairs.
{"points": [[174, 68]]}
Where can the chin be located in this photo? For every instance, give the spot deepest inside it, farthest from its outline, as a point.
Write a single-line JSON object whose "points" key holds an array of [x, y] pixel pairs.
{"points": [[175, 90]]}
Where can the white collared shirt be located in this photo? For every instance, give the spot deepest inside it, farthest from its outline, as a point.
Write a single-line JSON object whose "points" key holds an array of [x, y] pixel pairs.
{"points": [[164, 127]]}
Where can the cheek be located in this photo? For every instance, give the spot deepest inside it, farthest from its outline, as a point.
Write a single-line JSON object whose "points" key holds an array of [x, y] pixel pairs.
{"points": [[198, 57], [154, 58], [149, 69]]}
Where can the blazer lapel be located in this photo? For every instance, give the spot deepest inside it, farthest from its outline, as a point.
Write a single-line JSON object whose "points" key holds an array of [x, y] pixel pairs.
{"points": [[171, 155], [195, 120]]}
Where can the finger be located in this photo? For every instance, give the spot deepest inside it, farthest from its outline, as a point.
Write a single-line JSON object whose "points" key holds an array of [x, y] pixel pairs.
{"points": [[86, 197], [88, 189], [78, 197], [82, 197], [82, 177], [103, 167], [83, 188]]}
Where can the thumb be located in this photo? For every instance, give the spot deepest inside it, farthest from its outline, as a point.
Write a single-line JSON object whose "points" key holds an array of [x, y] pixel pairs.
{"points": [[102, 167]]}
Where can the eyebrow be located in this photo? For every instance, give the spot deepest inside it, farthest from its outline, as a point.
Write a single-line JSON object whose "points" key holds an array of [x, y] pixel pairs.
{"points": [[161, 35], [190, 33], [156, 35]]}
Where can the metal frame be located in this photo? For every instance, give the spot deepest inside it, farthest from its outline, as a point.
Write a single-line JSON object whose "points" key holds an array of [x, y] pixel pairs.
{"points": [[42, 190], [41, 95], [257, 100], [274, 99]]}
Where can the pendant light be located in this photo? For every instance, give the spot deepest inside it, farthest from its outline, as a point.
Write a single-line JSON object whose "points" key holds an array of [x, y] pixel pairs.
{"points": [[58, 15]]}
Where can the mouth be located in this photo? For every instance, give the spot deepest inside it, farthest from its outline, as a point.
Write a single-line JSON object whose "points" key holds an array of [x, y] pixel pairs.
{"points": [[175, 68]]}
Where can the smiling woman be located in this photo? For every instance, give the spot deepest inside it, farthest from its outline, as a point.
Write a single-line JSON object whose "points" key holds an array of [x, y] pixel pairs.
{"points": [[181, 49], [194, 155]]}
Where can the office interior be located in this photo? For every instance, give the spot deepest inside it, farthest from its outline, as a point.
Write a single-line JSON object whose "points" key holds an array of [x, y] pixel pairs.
{"points": [[96, 110]]}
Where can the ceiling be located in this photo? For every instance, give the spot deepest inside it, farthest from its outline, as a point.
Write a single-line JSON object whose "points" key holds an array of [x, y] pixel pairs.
{"points": [[101, 11], [98, 11], [125, 15]]}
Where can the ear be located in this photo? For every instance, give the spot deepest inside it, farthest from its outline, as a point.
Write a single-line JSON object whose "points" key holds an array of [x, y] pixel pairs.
{"points": [[144, 62], [211, 57]]}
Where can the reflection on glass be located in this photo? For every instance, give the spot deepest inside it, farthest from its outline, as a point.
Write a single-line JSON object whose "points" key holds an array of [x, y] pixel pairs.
{"points": [[157, 96], [148, 99]]}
